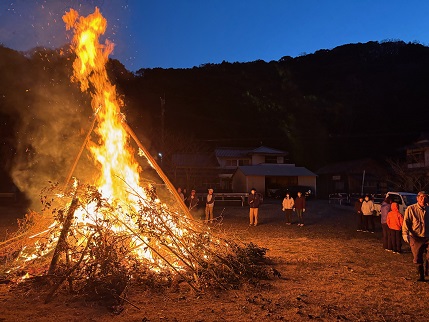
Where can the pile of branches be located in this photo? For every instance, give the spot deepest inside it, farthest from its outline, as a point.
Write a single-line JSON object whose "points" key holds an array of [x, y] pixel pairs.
{"points": [[97, 248]]}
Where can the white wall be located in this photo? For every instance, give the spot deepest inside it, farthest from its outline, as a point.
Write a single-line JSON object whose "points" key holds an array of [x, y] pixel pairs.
{"points": [[257, 182]]}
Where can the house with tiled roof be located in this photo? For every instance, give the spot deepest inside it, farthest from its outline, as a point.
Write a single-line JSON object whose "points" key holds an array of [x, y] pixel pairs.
{"points": [[265, 177], [239, 169], [231, 158]]}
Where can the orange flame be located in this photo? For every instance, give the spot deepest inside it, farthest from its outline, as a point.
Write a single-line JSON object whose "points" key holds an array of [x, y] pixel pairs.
{"points": [[112, 150]]}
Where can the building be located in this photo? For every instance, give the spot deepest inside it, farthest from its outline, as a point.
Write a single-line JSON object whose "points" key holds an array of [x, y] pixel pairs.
{"points": [[356, 176], [230, 169], [230, 159], [266, 177], [194, 171], [418, 153]]}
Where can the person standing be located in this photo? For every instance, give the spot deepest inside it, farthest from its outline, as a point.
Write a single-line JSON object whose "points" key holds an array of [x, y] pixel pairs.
{"points": [[300, 208], [358, 209], [254, 201], [287, 207], [209, 206], [181, 195], [385, 208], [415, 231], [394, 221], [192, 202], [185, 196], [368, 219]]}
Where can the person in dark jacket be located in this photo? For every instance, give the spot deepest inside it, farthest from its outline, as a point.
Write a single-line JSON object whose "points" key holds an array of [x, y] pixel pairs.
{"points": [[384, 210], [358, 206], [192, 202], [300, 208], [254, 201]]}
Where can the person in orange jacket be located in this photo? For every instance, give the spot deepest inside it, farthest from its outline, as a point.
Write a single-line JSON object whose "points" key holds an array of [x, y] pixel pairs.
{"points": [[394, 222]]}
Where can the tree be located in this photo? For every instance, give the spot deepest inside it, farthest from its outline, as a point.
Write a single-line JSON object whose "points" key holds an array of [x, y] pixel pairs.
{"points": [[406, 179]]}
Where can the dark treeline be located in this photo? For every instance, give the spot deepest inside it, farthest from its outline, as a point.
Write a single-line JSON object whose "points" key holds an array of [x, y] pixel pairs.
{"points": [[353, 101]]}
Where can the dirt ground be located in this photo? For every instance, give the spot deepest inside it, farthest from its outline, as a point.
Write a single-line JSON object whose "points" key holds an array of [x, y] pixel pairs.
{"points": [[329, 272]]}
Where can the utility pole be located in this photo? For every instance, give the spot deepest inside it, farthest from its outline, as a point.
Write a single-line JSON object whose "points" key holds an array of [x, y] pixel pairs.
{"points": [[161, 154]]}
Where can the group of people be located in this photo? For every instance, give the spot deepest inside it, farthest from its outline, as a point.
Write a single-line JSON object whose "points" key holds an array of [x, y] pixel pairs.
{"points": [[412, 227], [289, 205], [192, 202], [391, 221], [365, 210], [254, 200]]}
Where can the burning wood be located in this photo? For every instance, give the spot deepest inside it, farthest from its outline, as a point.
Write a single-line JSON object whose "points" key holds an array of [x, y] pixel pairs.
{"points": [[128, 225]]}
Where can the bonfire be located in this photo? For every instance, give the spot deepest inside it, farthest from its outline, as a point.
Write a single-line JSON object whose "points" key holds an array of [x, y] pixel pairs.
{"points": [[128, 224]]}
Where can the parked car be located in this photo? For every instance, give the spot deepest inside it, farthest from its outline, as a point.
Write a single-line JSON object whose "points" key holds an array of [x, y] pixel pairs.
{"points": [[403, 199]]}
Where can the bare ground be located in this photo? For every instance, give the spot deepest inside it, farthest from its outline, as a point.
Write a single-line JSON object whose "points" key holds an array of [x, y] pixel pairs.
{"points": [[329, 272]]}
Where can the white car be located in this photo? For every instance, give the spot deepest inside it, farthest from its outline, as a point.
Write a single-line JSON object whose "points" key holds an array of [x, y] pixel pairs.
{"points": [[403, 199]]}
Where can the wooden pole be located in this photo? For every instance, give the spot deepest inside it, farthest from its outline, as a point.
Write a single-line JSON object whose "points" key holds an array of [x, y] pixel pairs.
{"points": [[63, 236]]}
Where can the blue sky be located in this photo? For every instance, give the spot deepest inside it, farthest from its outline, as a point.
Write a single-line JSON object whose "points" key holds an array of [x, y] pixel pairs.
{"points": [[187, 33]]}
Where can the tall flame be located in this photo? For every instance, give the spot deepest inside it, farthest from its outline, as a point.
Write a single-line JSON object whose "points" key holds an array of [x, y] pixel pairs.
{"points": [[112, 150]]}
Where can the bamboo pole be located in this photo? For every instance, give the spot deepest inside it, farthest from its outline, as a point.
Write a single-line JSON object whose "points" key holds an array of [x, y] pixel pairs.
{"points": [[157, 169], [79, 154]]}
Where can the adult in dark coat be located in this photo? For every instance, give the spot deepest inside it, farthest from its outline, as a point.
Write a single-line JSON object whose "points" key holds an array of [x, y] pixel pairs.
{"points": [[300, 208], [254, 201], [358, 209]]}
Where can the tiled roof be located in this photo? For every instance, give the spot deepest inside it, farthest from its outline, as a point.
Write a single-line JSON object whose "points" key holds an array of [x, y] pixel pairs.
{"points": [[267, 150], [232, 152], [275, 170], [228, 152]]}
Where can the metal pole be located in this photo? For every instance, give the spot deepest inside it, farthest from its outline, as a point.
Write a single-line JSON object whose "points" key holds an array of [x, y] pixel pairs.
{"points": [[363, 182]]}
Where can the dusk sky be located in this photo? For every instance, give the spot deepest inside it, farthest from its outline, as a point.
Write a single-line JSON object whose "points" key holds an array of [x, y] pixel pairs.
{"points": [[188, 33]]}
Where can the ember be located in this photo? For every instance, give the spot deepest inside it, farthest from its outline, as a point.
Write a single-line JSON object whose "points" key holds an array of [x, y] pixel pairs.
{"points": [[128, 225]]}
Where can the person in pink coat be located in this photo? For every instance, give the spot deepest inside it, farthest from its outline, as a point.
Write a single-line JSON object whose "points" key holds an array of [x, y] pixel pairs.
{"points": [[287, 207], [394, 222]]}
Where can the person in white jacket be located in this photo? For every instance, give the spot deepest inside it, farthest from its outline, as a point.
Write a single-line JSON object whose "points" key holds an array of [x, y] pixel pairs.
{"points": [[287, 205], [368, 219]]}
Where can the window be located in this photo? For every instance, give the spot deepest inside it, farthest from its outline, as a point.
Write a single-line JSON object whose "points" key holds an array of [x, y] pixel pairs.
{"points": [[270, 159], [236, 163], [243, 162], [231, 163]]}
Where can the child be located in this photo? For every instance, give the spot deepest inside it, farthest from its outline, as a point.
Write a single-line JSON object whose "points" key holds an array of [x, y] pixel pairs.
{"points": [[394, 222], [288, 204]]}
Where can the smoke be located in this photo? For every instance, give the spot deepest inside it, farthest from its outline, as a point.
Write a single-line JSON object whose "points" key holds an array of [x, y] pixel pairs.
{"points": [[52, 119], [51, 116]]}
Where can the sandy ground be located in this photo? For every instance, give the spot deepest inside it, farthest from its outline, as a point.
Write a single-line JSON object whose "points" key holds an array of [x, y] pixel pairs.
{"points": [[329, 272]]}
